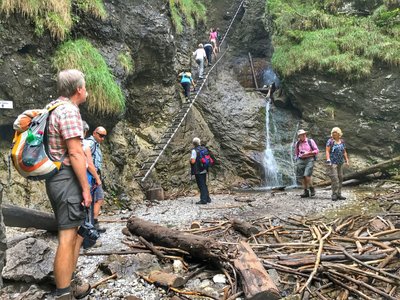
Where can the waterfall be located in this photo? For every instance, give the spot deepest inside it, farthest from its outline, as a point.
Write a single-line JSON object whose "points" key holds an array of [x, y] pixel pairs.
{"points": [[294, 179], [270, 164], [280, 137]]}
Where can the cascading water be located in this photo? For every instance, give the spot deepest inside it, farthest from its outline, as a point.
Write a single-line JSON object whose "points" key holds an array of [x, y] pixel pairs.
{"points": [[280, 136], [270, 164]]}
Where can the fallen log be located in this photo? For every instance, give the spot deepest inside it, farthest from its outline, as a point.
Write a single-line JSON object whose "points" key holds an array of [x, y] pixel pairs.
{"points": [[257, 284], [171, 280], [367, 171], [16, 216], [198, 246], [244, 227], [307, 260]]}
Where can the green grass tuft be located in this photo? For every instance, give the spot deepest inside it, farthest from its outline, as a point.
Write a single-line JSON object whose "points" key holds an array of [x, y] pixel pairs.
{"points": [[125, 60], [105, 95], [94, 7], [308, 36], [192, 11], [54, 15]]}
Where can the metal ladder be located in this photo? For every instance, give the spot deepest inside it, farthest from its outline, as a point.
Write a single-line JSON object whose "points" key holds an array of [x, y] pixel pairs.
{"points": [[179, 119]]}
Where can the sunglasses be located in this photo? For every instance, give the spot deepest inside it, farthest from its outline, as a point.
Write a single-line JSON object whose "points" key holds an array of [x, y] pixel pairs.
{"points": [[101, 135]]}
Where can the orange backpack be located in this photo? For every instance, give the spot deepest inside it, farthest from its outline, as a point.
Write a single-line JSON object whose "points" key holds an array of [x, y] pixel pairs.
{"points": [[29, 152]]}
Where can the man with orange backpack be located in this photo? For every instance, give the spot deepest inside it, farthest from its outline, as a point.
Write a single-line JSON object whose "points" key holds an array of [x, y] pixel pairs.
{"points": [[68, 190]]}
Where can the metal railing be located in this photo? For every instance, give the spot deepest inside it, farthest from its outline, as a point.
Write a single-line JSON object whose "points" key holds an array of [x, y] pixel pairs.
{"points": [[194, 99]]}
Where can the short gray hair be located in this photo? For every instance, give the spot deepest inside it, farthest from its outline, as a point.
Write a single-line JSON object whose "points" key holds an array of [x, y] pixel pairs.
{"points": [[196, 141], [85, 126], [68, 81]]}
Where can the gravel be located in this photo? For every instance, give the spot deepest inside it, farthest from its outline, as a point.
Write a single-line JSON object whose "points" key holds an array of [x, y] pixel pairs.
{"points": [[179, 214]]}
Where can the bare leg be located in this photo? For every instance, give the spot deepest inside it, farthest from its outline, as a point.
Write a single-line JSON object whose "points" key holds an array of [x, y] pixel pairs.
{"points": [[78, 245], [308, 181], [97, 207], [65, 260]]}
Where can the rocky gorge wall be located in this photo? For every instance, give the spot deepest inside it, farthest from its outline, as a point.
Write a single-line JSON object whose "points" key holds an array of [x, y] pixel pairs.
{"points": [[152, 94], [227, 116]]}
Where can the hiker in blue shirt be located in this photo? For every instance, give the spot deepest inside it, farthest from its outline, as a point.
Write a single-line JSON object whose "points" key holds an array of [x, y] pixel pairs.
{"points": [[186, 81], [94, 141], [336, 156]]}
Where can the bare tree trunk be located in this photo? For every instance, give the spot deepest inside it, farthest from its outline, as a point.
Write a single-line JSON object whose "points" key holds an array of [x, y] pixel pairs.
{"points": [[16, 216], [244, 227], [257, 284], [367, 171], [198, 246]]}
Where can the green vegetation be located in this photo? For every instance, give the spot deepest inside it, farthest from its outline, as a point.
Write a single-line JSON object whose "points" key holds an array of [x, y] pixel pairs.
{"points": [[190, 10], [105, 95], [311, 35], [54, 15], [126, 61]]}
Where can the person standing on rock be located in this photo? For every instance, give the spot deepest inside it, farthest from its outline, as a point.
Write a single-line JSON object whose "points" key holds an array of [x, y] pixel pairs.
{"points": [[336, 156], [68, 190], [200, 57], [306, 151], [199, 172], [94, 141]]}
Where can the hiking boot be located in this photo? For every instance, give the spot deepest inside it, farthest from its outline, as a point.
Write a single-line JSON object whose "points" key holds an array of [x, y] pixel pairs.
{"points": [[340, 197], [209, 200], [66, 296], [201, 202], [312, 191], [80, 287], [305, 194], [334, 197]]}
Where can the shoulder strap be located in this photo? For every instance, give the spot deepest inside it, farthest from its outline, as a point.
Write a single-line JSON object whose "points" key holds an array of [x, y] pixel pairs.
{"points": [[46, 133], [331, 142], [93, 152], [310, 144], [53, 107]]}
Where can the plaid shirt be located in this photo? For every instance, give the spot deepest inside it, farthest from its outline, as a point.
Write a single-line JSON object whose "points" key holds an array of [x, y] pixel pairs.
{"points": [[65, 122]]}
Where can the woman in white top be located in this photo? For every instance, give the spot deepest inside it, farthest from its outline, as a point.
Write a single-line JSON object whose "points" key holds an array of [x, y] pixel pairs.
{"points": [[200, 57]]}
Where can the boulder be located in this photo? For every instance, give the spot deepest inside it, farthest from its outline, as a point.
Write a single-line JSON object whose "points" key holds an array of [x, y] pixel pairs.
{"points": [[31, 260]]}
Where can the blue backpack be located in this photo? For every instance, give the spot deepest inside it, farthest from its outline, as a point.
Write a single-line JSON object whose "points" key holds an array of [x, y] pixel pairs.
{"points": [[203, 158]]}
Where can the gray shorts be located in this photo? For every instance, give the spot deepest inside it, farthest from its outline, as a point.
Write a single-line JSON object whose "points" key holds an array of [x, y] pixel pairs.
{"points": [[65, 194], [98, 194], [304, 167]]}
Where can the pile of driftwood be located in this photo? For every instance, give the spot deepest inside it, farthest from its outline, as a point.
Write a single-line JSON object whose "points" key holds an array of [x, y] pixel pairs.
{"points": [[352, 257]]}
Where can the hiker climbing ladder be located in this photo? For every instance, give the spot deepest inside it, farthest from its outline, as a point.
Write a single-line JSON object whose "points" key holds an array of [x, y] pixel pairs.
{"points": [[179, 119]]}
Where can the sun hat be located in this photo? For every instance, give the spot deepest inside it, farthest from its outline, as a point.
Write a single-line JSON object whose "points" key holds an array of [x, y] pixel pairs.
{"points": [[301, 131]]}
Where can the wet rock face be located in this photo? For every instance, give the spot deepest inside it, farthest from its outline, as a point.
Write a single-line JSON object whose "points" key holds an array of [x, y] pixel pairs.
{"points": [[251, 34], [367, 110]]}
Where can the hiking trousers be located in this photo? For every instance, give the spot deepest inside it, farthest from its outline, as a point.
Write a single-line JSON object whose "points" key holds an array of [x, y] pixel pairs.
{"points": [[336, 174], [186, 88], [200, 62], [201, 180]]}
